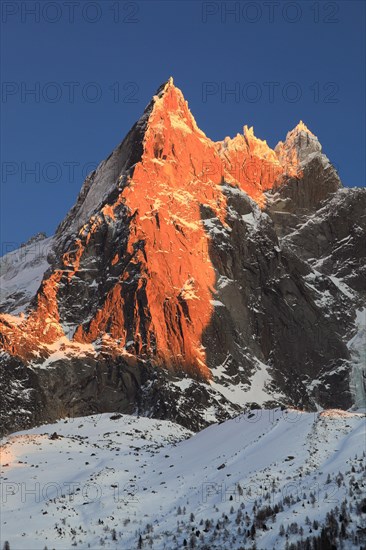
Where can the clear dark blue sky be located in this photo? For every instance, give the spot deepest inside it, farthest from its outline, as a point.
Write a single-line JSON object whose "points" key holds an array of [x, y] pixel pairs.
{"points": [[288, 60]]}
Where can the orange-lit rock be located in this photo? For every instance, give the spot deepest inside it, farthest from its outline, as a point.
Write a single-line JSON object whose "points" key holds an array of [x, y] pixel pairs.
{"points": [[251, 163], [167, 260]]}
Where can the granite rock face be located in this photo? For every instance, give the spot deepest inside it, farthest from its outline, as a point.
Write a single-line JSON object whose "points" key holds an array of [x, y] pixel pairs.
{"points": [[312, 181], [191, 280]]}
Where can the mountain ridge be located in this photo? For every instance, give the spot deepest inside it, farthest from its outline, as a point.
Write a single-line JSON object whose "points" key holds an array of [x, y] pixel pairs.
{"points": [[176, 260]]}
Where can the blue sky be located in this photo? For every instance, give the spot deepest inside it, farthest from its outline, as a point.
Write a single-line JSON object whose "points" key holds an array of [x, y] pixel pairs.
{"points": [[94, 66]]}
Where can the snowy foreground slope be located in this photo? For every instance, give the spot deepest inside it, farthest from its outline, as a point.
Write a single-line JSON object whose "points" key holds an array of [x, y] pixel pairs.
{"points": [[119, 481]]}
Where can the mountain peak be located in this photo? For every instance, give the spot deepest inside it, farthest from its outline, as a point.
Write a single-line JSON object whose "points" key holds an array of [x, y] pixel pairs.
{"points": [[152, 187], [301, 127], [165, 86], [299, 147], [301, 137], [169, 115], [166, 267]]}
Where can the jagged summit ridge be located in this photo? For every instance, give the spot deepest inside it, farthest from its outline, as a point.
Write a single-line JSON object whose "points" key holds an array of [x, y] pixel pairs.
{"points": [[240, 158]]}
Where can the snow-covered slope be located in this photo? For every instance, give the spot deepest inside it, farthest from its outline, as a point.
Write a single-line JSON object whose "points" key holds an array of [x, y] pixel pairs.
{"points": [[127, 482], [21, 273]]}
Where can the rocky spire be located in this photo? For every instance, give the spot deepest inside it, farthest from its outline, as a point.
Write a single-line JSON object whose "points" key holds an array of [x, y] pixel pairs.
{"points": [[299, 145], [139, 217]]}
